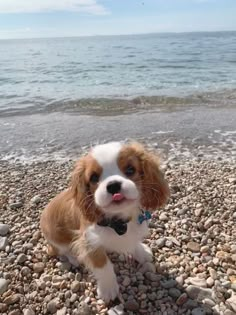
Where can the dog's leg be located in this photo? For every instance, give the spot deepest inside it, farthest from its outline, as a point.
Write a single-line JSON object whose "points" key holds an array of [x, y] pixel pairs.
{"points": [[102, 268], [142, 253]]}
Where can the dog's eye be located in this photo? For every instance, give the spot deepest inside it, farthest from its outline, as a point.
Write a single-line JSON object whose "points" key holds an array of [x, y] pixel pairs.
{"points": [[130, 170], [94, 178]]}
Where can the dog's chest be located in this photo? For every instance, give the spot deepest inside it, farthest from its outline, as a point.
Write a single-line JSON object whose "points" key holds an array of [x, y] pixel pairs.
{"points": [[111, 241]]}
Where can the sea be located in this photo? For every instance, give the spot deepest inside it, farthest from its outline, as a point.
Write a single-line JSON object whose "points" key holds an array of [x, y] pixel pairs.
{"points": [[61, 95]]}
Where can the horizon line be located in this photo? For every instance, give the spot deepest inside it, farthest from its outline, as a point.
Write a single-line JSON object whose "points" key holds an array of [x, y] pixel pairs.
{"points": [[113, 35]]}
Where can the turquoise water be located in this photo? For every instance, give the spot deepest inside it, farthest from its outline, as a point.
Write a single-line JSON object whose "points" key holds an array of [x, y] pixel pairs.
{"points": [[37, 73]]}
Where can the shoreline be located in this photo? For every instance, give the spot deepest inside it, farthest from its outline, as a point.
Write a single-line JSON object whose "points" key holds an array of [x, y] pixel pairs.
{"points": [[193, 240]]}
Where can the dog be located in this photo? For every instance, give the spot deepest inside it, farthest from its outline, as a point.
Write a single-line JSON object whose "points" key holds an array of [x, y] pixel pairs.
{"points": [[106, 209]]}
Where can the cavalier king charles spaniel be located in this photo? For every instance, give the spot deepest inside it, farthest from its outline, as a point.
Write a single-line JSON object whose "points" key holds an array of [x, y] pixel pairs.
{"points": [[106, 209]]}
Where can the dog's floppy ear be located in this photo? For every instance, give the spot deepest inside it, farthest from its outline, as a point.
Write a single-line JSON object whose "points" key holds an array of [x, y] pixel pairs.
{"points": [[81, 193], [155, 190], [78, 184]]}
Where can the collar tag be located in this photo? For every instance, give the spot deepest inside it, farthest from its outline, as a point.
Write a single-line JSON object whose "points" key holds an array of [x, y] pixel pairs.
{"points": [[144, 216]]}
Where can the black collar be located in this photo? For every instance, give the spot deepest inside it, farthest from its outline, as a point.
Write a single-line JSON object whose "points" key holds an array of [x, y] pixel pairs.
{"points": [[119, 225]]}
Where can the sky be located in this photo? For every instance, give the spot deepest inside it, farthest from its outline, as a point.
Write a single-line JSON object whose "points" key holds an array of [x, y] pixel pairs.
{"points": [[62, 18]]}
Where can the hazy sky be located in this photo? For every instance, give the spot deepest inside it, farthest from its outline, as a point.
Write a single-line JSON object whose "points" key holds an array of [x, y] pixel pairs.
{"points": [[49, 18]]}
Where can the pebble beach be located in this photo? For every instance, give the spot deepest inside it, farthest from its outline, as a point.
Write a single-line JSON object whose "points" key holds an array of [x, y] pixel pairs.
{"points": [[192, 239]]}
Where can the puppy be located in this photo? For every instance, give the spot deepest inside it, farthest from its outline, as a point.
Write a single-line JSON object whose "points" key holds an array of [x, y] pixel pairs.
{"points": [[105, 210]]}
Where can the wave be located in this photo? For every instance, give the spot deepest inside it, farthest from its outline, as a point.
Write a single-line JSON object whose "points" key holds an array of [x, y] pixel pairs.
{"points": [[122, 105]]}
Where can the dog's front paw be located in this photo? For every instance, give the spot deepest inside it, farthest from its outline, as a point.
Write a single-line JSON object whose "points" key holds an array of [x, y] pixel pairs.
{"points": [[143, 253], [108, 290]]}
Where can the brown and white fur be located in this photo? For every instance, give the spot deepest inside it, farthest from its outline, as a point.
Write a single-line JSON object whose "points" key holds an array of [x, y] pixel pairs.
{"points": [[69, 222]]}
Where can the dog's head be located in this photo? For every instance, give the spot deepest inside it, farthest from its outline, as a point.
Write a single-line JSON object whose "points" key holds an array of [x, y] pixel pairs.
{"points": [[117, 178]]}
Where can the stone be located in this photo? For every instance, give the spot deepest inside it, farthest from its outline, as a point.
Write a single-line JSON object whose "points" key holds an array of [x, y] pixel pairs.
{"points": [[198, 212], [210, 282], [160, 242], [4, 229], [208, 223], [198, 282], [131, 305], [38, 267], [25, 271], [28, 311], [3, 285], [174, 293], [205, 249], [126, 282], [62, 311], [198, 293], [3, 243], [182, 299], [163, 217], [198, 311], [21, 258], [3, 308], [231, 302], [12, 299], [168, 284], [16, 205], [75, 286], [193, 247], [148, 266], [53, 305], [35, 200]]}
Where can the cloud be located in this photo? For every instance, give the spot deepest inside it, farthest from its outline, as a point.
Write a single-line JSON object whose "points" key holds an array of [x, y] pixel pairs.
{"points": [[32, 6]]}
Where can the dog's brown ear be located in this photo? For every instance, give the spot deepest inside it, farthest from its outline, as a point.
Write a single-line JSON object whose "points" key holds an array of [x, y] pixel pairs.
{"points": [[81, 193], [155, 190], [78, 184]]}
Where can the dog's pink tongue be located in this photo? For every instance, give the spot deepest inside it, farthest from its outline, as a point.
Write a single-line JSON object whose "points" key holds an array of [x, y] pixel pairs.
{"points": [[117, 197]]}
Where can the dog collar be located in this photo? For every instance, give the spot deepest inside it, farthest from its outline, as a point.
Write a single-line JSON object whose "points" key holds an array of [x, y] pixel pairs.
{"points": [[144, 216], [118, 225]]}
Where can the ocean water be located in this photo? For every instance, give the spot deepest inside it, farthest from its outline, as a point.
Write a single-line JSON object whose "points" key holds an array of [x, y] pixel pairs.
{"points": [[37, 73], [61, 94]]}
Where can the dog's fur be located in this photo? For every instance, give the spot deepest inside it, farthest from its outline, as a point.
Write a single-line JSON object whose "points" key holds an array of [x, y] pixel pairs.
{"points": [[69, 222]]}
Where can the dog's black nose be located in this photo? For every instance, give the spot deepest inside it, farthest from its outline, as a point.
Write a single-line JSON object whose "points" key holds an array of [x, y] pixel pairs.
{"points": [[114, 187]]}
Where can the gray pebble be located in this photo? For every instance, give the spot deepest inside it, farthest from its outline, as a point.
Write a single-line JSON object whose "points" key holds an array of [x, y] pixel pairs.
{"points": [[3, 285], [4, 229], [3, 243]]}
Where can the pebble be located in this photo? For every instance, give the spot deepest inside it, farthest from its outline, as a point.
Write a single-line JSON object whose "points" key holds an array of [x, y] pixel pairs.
{"points": [[231, 302], [4, 229], [198, 293], [36, 200], [198, 282], [198, 311], [12, 299], [210, 282], [131, 305], [193, 247], [21, 258], [163, 216], [62, 311], [53, 305], [126, 282], [75, 286], [16, 205], [182, 299], [28, 311], [3, 243], [174, 293], [168, 284], [38, 267], [3, 285], [160, 242]]}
